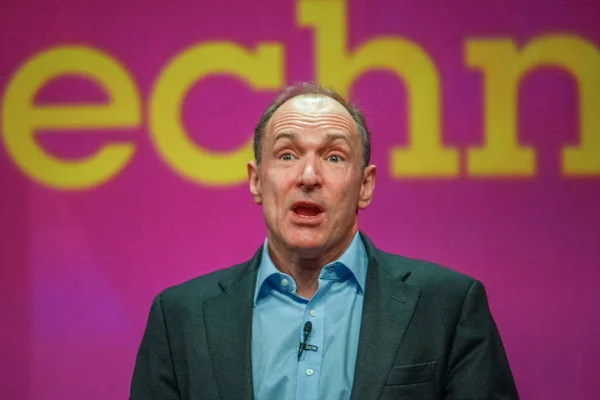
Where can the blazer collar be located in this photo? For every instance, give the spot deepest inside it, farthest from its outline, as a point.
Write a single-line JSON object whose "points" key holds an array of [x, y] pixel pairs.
{"points": [[388, 307], [228, 321]]}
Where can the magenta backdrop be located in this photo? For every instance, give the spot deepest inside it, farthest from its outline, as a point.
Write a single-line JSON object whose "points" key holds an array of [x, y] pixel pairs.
{"points": [[79, 267]]}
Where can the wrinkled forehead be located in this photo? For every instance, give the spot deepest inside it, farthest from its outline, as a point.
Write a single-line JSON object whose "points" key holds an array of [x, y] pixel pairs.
{"points": [[306, 111]]}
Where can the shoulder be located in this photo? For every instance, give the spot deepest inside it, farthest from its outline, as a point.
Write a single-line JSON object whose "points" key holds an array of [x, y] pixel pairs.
{"points": [[417, 271], [442, 290], [203, 287], [427, 276], [424, 275]]}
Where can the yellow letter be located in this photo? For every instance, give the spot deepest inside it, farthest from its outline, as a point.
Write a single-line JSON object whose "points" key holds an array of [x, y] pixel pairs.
{"points": [[426, 156], [504, 67], [262, 69], [21, 117]]}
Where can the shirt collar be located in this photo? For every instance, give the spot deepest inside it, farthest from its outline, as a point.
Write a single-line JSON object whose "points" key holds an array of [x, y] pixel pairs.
{"points": [[351, 264]]}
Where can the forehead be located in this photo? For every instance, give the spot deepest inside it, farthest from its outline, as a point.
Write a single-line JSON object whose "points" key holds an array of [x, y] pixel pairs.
{"points": [[312, 111]]}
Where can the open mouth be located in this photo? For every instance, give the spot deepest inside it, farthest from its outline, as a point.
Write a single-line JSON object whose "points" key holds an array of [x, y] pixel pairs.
{"points": [[307, 210]]}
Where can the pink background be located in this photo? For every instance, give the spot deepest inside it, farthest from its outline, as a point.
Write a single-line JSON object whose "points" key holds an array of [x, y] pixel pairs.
{"points": [[79, 268]]}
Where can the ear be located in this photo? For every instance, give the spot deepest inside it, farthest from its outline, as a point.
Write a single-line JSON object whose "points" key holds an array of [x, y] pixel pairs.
{"points": [[254, 182], [368, 187]]}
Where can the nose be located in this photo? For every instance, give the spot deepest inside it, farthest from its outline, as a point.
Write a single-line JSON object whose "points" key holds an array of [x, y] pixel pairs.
{"points": [[310, 176]]}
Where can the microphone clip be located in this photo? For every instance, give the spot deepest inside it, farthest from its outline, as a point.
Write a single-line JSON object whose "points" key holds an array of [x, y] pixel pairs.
{"points": [[303, 344]]}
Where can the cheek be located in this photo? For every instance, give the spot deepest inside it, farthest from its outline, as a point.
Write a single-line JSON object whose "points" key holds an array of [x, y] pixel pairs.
{"points": [[274, 192], [346, 199]]}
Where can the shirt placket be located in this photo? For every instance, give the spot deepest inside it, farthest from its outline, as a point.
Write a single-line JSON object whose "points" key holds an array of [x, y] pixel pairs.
{"points": [[310, 363]]}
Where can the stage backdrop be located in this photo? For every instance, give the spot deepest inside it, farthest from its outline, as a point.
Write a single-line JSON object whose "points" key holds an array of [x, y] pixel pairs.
{"points": [[126, 127]]}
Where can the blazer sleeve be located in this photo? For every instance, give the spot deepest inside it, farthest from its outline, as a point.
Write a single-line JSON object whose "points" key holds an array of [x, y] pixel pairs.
{"points": [[478, 368], [154, 373]]}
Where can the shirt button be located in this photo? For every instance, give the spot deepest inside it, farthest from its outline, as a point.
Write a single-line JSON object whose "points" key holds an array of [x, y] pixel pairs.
{"points": [[309, 372], [284, 282], [313, 313]]}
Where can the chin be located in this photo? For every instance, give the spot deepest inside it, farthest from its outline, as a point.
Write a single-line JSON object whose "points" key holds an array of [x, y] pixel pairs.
{"points": [[305, 239]]}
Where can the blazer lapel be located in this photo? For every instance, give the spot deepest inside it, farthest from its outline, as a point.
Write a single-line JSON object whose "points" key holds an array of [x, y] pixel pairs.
{"points": [[228, 320], [388, 307]]}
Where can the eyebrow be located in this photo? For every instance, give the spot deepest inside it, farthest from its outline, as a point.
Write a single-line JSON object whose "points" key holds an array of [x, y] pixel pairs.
{"points": [[329, 137]]}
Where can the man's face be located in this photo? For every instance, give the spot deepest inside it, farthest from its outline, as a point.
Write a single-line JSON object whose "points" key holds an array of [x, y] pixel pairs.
{"points": [[310, 181]]}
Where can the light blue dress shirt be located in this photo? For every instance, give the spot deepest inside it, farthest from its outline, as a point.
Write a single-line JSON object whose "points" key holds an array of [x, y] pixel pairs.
{"points": [[277, 330]]}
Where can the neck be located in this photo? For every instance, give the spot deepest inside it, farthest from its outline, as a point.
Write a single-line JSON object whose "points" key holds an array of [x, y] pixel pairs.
{"points": [[305, 266]]}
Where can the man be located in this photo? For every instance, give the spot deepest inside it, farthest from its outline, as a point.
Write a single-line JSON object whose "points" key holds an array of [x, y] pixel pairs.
{"points": [[319, 312]]}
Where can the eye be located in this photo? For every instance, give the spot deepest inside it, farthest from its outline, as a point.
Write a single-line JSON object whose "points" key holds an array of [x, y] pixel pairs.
{"points": [[287, 157], [334, 158]]}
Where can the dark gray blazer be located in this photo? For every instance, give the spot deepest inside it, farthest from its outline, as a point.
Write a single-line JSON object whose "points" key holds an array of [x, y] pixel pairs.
{"points": [[426, 333]]}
